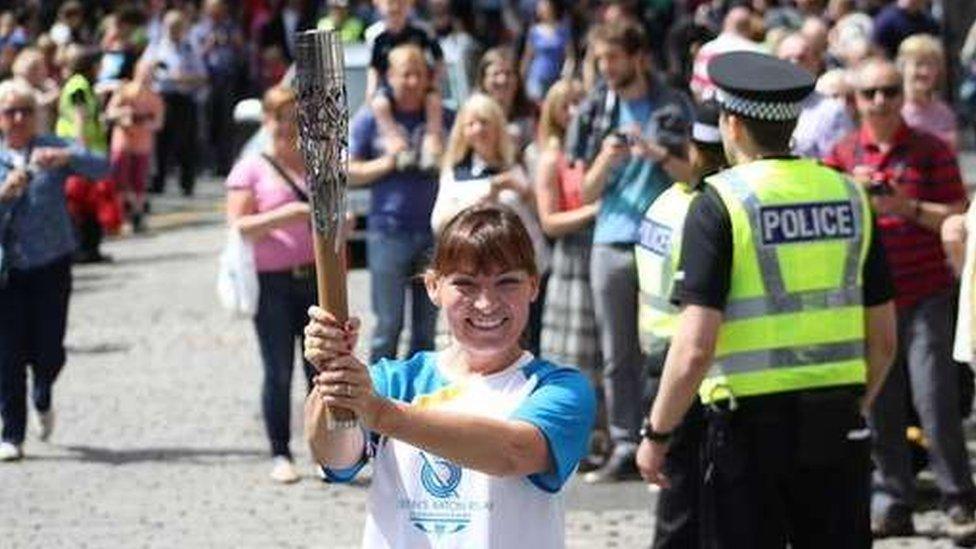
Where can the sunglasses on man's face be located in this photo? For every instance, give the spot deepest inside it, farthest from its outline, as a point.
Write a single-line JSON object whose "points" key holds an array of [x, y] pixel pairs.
{"points": [[889, 92], [12, 112]]}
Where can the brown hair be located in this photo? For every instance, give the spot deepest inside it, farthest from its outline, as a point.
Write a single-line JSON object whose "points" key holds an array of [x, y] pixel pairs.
{"points": [[277, 97], [484, 238], [521, 106], [625, 34]]}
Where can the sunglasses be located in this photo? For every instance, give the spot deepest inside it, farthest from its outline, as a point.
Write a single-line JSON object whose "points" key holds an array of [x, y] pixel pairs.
{"points": [[12, 112], [889, 92]]}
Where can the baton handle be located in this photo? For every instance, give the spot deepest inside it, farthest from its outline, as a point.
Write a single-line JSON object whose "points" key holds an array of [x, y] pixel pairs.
{"points": [[330, 278]]}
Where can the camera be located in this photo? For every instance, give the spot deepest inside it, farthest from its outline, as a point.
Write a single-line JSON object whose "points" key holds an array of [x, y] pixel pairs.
{"points": [[880, 185]]}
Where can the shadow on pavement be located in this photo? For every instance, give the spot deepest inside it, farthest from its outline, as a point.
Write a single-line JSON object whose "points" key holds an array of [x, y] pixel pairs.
{"points": [[97, 348], [203, 456], [164, 258]]}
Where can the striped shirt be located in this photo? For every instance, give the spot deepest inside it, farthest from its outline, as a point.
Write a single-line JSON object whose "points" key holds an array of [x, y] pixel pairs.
{"points": [[923, 167]]}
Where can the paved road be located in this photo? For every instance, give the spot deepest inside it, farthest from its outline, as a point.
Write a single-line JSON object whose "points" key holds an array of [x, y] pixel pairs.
{"points": [[159, 440]]}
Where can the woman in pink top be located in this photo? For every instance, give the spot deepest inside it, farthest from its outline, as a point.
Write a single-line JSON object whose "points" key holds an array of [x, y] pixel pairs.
{"points": [[137, 114], [922, 61], [268, 203]]}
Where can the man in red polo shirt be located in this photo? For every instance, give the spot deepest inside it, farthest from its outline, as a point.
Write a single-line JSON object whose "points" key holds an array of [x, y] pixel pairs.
{"points": [[914, 182]]}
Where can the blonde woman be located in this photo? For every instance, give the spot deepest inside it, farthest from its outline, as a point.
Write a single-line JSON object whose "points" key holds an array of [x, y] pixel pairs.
{"points": [[480, 165], [921, 59], [568, 326]]}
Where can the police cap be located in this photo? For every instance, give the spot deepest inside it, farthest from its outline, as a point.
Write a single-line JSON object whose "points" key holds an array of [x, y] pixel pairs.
{"points": [[705, 130], [760, 86]]}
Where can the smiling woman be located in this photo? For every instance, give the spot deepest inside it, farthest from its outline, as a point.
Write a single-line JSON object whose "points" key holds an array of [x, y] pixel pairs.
{"points": [[454, 435]]}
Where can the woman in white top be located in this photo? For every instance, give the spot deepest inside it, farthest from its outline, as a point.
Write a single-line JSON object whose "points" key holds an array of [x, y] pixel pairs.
{"points": [[471, 445], [480, 165]]}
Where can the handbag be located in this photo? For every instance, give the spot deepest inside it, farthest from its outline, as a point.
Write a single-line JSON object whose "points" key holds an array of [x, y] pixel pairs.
{"points": [[237, 277]]}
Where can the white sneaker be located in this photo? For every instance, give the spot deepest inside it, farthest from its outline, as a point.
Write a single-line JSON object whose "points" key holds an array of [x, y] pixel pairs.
{"points": [[283, 471], [45, 424], [10, 451]]}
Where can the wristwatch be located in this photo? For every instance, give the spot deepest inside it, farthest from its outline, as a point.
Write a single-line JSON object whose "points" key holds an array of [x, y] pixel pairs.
{"points": [[648, 432]]}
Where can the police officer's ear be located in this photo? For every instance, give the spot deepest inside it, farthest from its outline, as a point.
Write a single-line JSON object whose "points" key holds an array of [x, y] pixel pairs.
{"points": [[733, 127]]}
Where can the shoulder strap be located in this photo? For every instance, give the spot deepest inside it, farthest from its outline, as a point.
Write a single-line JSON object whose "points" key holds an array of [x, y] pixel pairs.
{"points": [[302, 195]]}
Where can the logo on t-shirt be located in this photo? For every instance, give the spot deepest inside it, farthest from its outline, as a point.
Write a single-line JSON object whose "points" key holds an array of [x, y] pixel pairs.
{"points": [[445, 511], [439, 477]]}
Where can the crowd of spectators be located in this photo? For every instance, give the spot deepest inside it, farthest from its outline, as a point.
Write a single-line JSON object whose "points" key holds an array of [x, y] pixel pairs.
{"points": [[579, 118]]}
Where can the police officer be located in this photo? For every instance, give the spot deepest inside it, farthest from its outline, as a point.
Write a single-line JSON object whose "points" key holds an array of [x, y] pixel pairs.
{"points": [[786, 330], [676, 522]]}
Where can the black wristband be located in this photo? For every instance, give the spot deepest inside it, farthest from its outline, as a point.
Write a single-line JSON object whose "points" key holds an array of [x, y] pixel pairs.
{"points": [[647, 431]]}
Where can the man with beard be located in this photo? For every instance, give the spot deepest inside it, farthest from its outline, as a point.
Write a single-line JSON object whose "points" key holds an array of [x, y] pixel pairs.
{"points": [[642, 129], [914, 182]]}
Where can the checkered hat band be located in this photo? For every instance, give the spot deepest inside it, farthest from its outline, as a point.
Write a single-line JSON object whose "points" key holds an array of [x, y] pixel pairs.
{"points": [[773, 112]]}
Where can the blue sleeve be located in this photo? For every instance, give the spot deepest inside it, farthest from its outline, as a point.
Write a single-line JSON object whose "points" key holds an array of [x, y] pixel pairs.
{"points": [[361, 132], [88, 164], [563, 407]]}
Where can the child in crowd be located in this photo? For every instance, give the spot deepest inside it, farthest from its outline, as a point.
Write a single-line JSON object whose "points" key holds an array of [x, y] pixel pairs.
{"points": [[396, 30], [137, 114]]}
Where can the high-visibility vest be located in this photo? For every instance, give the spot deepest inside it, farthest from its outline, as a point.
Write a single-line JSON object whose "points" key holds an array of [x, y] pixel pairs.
{"points": [[794, 317], [95, 138], [656, 253]]}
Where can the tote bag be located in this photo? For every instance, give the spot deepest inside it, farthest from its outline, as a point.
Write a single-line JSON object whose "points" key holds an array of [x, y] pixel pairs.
{"points": [[237, 278]]}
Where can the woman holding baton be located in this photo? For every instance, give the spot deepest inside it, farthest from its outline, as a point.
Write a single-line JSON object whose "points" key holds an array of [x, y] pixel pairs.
{"points": [[472, 444]]}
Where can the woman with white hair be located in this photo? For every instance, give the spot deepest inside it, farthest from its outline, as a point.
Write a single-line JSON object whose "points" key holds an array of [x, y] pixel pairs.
{"points": [[36, 244], [31, 68]]}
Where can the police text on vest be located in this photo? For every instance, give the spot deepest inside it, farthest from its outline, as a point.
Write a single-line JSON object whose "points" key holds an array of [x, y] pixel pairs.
{"points": [[806, 222], [655, 236]]}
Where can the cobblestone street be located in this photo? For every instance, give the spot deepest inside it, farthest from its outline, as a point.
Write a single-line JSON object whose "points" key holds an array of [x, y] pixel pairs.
{"points": [[159, 440]]}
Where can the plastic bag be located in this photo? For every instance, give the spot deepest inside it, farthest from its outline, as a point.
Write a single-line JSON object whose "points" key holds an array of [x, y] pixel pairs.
{"points": [[237, 279]]}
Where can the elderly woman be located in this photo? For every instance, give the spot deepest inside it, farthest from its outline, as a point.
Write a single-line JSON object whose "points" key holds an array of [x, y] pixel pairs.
{"points": [[37, 242], [267, 202], [921, 59], [470, 445]]}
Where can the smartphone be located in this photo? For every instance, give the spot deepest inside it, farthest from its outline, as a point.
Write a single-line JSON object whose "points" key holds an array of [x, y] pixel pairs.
{"points": [[627, 138]]}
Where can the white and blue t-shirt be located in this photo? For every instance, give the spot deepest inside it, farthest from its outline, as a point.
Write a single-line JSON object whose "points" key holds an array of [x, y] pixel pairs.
{"points": [[418, 499]]}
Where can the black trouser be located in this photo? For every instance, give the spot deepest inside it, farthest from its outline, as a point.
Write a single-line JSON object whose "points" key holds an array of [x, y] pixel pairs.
{"points": [[33, 318], [220, 122], [177, 139], [790, 469], [90, 234], [676, 517]]}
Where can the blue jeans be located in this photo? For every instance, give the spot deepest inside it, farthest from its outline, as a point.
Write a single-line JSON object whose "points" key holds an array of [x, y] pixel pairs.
{"points": [[279, 322], [33, 319], [396, 261]]}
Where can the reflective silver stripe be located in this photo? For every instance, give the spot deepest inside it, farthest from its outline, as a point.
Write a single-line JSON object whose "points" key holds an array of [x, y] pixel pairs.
{"points": [[657, 302], [852, 266], [751, 361], [769, 268], [792, 303]]}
